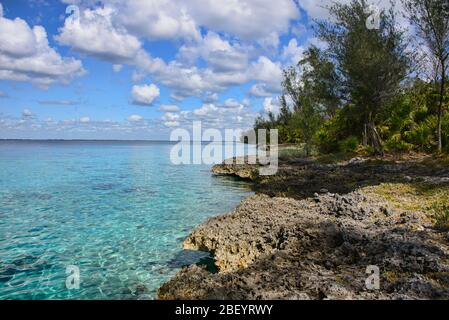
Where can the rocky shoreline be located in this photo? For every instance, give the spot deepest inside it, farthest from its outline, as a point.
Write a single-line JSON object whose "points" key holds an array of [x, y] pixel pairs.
{"points": [[318, 246]]}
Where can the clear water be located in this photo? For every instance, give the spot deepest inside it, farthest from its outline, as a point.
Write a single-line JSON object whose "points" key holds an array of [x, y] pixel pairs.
{"points": [[117, 210]]}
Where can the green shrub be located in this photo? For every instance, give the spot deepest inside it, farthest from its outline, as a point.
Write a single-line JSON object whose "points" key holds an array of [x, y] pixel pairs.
{"points": [[349, 144], [397, 144], [334, 130], [422, 135]]}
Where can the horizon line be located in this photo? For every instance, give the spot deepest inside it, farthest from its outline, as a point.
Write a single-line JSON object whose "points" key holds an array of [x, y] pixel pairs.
{"points": [[109, 140]]}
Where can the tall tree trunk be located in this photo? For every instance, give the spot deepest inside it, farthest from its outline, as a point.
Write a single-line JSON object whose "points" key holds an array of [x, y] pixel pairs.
{"points": [[440, 106], [374, 137], [365, 134]]}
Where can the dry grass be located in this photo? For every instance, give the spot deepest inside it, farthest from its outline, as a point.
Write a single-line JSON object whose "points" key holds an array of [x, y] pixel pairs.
{"points": [[432, 200]]}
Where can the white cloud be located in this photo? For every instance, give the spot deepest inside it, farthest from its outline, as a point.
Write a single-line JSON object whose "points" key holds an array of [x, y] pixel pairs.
{"points": [[271, 105], [261, 90], [210, 98], [170, 116], [25, 55], [145, 94], [221, 55], [95, 34], [135, 118], [84, 119], [292, 52], [158, 19], [175, 19], [227, 55], [172, 124], [266, 70], [27, 113], [270, 75], [234, 29], [231, 103], [169, 108], [239, 116], [318, 9], [205, 110], [246, 19], [17, 38]]}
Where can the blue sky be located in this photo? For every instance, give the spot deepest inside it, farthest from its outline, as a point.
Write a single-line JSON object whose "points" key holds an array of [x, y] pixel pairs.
{"points": [[138, 69]]}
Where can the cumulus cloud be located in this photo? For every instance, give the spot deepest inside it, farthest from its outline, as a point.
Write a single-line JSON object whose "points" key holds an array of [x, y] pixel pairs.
{"points": [[269, 74], [247, 19], [261, 90], [171, 119], [145, 94], [266, 70], [210, 97], [172, 19], [27, 114], [236, 116], [231, 104], [206, 110], [318, 9], [193, 81], [135, 118], [271, 105], [170, 116], [113, 30], [218, 40], [292, 52], [220, 54], [93, 33], [84, 119], [158, 19], [25, 55], [171, 124]]}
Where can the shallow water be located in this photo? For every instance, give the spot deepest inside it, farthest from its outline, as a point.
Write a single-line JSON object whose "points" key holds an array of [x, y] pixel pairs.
{"points": [[117, 210]]}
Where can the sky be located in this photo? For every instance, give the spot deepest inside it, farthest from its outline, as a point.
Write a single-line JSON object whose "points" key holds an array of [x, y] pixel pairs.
{"points": [[139, 69]]}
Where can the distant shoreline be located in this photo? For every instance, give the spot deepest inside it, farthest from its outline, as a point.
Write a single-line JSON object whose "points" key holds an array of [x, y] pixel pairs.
{"points": [[104, 140]]}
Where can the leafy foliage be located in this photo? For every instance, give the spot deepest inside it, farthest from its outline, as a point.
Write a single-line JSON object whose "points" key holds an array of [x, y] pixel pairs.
{"points": [[360, 93]]}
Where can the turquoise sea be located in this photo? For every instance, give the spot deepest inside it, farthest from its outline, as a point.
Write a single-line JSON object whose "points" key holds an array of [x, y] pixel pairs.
{"points": [[118, 211]]}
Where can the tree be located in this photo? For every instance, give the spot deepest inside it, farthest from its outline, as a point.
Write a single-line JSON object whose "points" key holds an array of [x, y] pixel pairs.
{"points": [[285, 114], [307, 120], [431, 19], [306, 116], [320, 74], [370, 63]]}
